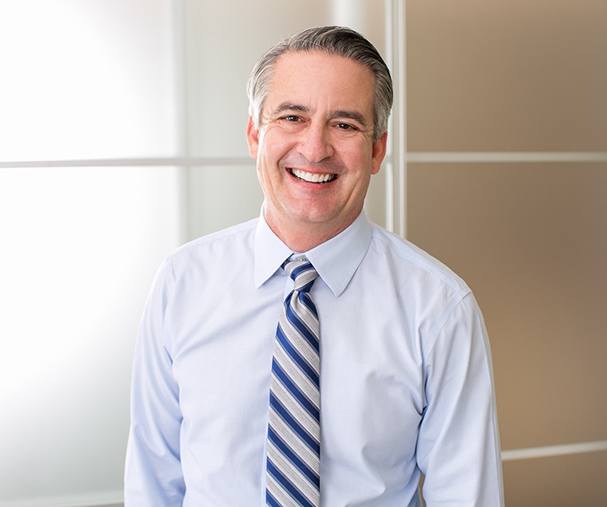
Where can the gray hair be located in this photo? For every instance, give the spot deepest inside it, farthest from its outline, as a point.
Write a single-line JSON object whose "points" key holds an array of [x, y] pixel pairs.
{"points": [[335, 40]]}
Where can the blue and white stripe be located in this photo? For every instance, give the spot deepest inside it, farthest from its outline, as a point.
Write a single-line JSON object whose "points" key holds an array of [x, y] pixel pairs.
{"points": [[293, 457]]}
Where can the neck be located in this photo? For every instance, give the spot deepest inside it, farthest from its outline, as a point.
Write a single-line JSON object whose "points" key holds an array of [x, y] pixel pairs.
{"points": [[304, 237]]}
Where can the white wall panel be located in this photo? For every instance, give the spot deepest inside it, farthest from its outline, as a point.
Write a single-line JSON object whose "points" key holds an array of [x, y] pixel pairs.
{"points": [[86, 79]]}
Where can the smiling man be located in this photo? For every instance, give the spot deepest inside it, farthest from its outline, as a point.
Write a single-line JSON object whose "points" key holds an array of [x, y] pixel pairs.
{"points": [[315, 145], [310, 357]]}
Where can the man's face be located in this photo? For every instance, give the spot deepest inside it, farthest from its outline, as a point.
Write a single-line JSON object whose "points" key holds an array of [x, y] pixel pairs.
{"points": [[314, 147]]}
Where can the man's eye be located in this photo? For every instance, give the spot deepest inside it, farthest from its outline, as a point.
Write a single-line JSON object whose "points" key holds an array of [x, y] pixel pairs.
{"points": [[291, 118], [345, 126]]}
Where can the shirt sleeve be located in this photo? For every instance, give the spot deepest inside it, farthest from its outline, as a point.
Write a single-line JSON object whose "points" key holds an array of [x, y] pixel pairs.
{"points": [[458, 443], [153, 474]]}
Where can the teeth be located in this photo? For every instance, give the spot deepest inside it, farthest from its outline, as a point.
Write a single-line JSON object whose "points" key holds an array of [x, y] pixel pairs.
{"points": [[312, 177]]}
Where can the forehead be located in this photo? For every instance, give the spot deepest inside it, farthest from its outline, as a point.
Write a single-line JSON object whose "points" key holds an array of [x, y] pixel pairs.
{"points": [[316, 79]]}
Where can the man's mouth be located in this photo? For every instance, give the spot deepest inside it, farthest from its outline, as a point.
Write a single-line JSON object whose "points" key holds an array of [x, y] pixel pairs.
{"points": [[312, 177]]}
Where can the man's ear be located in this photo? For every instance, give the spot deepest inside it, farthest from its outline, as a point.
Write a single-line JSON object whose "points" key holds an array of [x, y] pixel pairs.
{"points": [[252, 138], [379, 152]]}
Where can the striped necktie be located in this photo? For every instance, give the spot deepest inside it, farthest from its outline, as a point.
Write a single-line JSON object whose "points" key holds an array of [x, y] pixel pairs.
{"points": [[293, 451]]}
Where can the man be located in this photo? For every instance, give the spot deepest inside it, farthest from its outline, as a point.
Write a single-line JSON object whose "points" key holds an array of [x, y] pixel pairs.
{"points": [[310, 357]]}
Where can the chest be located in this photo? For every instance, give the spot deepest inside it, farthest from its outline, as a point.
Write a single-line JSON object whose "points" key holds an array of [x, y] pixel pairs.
{"points": [[371, 376]]}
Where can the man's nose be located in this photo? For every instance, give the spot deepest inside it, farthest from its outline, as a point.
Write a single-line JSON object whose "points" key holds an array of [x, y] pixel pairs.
{"points": [[315, 143]]}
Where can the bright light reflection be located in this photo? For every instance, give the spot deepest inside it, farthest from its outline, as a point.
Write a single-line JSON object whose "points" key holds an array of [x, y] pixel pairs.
{"points": [[79, 250]]}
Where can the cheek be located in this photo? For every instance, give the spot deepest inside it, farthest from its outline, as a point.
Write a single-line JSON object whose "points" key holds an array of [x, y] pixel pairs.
{"points": [[276, 142], [357, 147], [358, 160], [269, 172]]}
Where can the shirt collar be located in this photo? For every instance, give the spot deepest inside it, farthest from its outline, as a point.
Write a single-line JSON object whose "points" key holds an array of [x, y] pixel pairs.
{"points": [[335, 260], [270, 252]]}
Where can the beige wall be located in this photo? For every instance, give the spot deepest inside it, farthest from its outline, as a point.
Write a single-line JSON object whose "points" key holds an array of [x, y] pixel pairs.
{"points": [[492, 79]]}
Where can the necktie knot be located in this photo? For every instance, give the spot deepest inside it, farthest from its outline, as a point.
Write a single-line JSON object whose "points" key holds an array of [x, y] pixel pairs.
{"points": [[301, 272]]}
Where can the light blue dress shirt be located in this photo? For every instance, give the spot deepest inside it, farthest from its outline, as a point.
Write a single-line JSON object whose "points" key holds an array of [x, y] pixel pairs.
{"points": [[406, 381]]}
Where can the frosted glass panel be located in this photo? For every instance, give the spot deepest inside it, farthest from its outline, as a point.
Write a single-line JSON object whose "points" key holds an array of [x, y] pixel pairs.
{"points": [[86, 79], [79, 250], [514, 75], [375, 202], [531, 240], [222, 196]]}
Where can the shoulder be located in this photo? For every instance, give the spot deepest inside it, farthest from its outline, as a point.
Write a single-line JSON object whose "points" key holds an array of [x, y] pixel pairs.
{"points": [[406, 258], [220, 247], [425, 288], [430, 294]]}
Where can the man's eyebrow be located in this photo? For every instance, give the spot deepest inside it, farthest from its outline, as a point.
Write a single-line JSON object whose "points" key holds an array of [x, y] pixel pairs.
{"points": [[288, 106], [352, 115]]}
